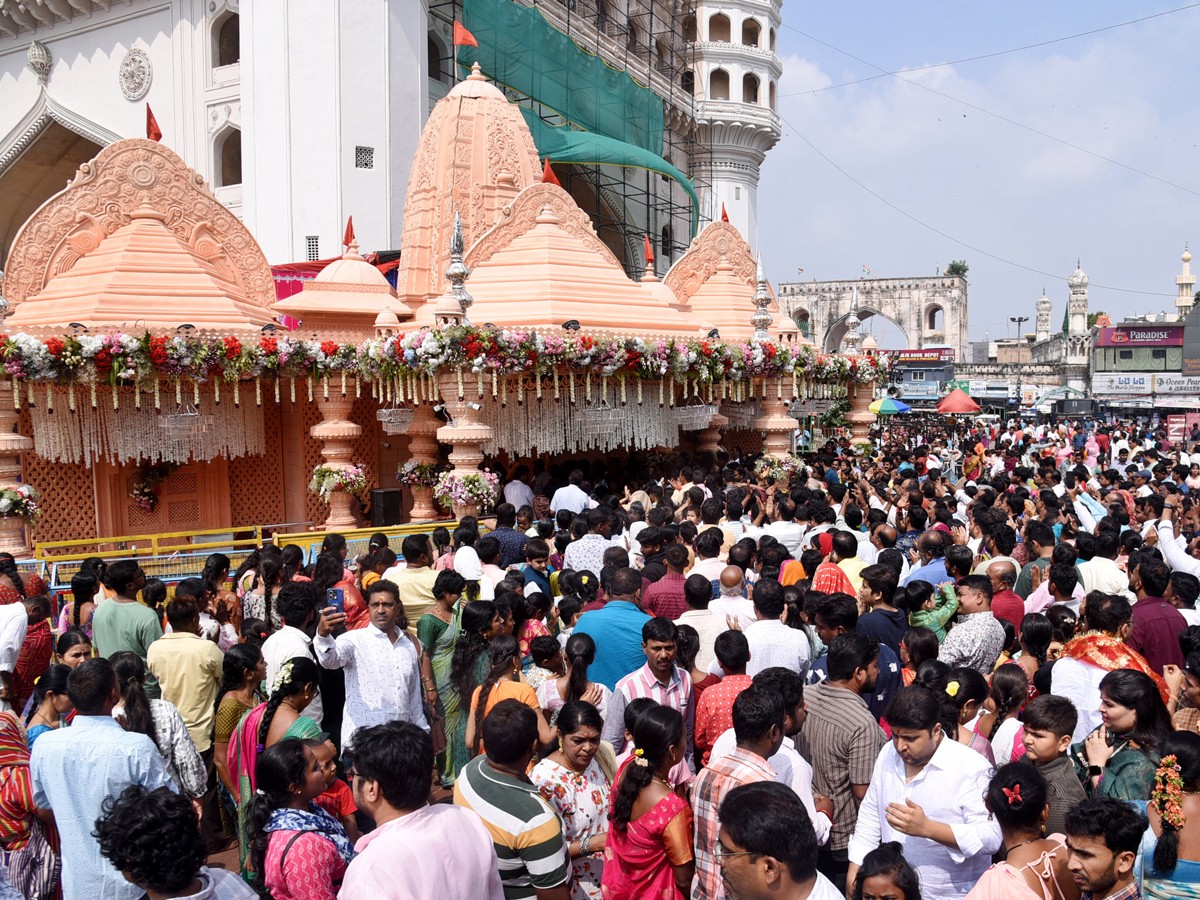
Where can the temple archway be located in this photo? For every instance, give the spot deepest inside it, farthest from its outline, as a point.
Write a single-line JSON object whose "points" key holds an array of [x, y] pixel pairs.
{"points": [[884, 334], [39, 173]]}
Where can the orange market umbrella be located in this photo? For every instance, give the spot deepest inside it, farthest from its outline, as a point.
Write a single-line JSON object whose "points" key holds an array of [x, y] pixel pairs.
{"points": [[957, 402]]}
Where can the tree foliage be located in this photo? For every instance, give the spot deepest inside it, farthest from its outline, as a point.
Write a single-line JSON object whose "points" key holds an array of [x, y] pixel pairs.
{"points": [[958, 268]]}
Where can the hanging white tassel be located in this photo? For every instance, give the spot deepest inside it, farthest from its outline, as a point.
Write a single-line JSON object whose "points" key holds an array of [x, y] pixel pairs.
{"points": [[357, 387], [71, 396], [157, 400], [50, 398], [493, 384], [237, 393], [343, 382], [217, 390], [195, 393], [639, 392], [277, 380], [309, 380], [91, 385], [325, 387]]}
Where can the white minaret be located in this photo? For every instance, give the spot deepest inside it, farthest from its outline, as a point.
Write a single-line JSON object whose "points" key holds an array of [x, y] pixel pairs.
{"points": [[1045, 306], [1078, 334], [736, 78], [1185, 281]]}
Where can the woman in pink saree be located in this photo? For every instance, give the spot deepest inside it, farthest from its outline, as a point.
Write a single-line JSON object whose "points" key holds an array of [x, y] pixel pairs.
{"points": [[648, 853]]}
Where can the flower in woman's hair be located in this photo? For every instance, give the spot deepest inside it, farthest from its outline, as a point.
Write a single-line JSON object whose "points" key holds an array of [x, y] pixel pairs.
{"points": [[952, 688], [282, 677]]}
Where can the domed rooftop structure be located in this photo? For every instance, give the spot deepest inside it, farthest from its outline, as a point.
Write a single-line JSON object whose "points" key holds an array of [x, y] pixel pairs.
{"points": [[136, 237], [869, 344], [1078, 279], [346, 294], [474, 156]]}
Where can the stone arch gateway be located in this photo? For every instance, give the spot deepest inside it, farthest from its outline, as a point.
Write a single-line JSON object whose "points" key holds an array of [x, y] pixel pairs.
{"points": [[930, 311]]}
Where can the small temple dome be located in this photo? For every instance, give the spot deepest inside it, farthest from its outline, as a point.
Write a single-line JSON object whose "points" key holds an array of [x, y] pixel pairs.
{"points": [[1186, 256], [1078, 278], [387, 319], [1044, 302], [477, 87], [352, 268], [869, 343]]}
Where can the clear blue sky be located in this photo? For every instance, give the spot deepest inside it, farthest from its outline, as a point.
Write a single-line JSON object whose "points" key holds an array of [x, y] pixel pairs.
{"points": [[1128, 94]]}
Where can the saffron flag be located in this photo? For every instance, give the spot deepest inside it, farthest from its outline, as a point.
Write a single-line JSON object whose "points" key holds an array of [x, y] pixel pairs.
{"points": [[348, 237], [462, 37], [724, 215], [153, 132], [649, 250], [548, 176]]}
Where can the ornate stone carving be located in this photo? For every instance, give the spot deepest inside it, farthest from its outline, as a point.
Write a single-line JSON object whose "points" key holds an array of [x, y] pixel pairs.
{"points": [[718, 243], [135, 74], [519, 216], [103, 196], [39, 60]]}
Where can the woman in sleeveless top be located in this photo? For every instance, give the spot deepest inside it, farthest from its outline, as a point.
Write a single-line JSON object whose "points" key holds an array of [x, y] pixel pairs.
{"points": [[1168, 863], [1032, 867]]}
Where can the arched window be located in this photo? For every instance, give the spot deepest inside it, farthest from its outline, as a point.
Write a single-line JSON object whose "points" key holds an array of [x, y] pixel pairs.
{"points": [[718, 85], [935, 318], [227, 36], [772, 94], [440, 62], [803, 322], [718, 28], [750, 88], [689, 29], [634, 38], [687, 81], [229, 158], [665, 243], [662, 53], [772, 40], [751, 32]]}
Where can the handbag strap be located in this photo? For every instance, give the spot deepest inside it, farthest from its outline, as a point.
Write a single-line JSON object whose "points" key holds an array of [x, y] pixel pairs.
{"points": [[283, 856]]}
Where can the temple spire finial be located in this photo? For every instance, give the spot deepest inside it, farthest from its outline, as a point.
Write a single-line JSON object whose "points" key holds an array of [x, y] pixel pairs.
{"points": [[457, 272], [761, 319]]}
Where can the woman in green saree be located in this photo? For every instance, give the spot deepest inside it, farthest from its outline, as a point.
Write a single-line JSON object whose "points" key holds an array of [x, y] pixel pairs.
{"points": [[267, 724], [1120, 757], [459, 663]]}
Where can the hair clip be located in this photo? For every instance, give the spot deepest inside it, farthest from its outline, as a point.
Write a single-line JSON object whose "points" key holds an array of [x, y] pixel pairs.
{"points": [[260, 792], [1014, 795]]}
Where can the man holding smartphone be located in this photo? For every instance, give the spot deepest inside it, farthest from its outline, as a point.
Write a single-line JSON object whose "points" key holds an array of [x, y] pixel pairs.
{"points": [[381, 662]]}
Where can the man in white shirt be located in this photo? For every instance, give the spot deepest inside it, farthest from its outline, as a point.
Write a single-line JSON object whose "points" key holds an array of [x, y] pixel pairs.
{"points": [[783, 526], [771, 642], [927, 792], [571, 497], [14, 620], [731, 603], [518, 492], [297, 604], [381, 662], [1101, 573], [698, 592], [767, 847]]}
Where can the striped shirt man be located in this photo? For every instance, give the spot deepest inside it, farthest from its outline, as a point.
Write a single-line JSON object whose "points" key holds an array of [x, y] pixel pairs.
{"points": [[708, 791], [676, 693], [525, 829], [841, 739]]}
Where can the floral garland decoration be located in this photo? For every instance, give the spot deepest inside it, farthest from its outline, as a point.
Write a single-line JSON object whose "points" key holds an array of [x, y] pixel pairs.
{"points": [[781, 470], [1167, 796], [19, 501], [418, 474], [474, 489], [147, 484], [327, 479], [118, 358]]}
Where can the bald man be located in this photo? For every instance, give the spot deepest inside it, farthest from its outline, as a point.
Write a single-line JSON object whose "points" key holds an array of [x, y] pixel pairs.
{"points": [[732, 603], [884, 538], [1007, 604]]}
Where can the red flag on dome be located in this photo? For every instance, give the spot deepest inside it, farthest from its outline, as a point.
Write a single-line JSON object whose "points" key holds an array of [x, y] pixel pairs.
{"points": [[649, 249], [348, 237], [462, 37], [548, 176], [724, 215], [153, 132]]}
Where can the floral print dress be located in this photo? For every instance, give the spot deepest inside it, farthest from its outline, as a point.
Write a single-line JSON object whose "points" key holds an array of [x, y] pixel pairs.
{"points": [[581, 801]]}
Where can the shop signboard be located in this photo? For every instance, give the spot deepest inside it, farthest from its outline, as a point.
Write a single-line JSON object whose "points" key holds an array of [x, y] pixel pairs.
{"points": [[1167, 334], [1174, 383], [1122, 383], [1176, 427], [927, 355]]}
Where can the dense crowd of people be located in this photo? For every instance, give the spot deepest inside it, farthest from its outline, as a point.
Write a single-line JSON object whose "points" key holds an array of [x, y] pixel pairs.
{"points": [[963, 663]]}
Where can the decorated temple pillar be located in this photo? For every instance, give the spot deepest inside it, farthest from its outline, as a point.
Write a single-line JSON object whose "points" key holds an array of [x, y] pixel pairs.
{"points": [[465, 434], [423, 448], [777, 427], [860, 416], [708, 440], [13, 536], [336, 432]]}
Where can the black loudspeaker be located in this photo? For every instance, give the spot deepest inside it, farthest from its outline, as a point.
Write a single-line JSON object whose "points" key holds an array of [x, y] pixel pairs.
{"points": [[385, 507]]}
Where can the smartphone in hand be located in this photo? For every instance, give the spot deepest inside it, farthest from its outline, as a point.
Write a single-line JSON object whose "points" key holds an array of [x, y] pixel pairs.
{"points": [[336, 598]]}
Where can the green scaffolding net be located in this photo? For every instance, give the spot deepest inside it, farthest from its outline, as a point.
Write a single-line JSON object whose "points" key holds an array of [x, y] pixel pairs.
{"points": [[612, 119]]}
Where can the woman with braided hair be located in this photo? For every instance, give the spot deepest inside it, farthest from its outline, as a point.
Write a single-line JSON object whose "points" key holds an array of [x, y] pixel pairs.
{"points": [[1169, 861], [15, 587], [1031, 867], [279, 718]]}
